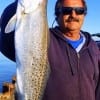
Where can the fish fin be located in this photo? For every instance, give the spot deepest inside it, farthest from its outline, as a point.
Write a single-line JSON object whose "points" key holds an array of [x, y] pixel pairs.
{"points": [[11, 25]]}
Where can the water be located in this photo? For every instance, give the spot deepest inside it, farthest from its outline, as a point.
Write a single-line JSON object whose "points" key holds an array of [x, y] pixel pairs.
{"points": [[7, 70]]}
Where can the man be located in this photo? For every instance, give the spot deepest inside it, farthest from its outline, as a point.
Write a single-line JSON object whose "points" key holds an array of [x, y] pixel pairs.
{"points": [[73, 56]]}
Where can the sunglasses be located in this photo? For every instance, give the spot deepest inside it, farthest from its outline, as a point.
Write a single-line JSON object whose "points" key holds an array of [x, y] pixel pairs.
{"points": [[68, 10]]}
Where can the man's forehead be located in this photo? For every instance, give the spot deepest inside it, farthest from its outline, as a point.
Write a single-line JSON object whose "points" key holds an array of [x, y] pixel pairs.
{"points": [[72, 2]]}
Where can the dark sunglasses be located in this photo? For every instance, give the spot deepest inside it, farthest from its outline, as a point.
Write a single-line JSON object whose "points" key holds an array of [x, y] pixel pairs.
{"points": [[68, 10]]}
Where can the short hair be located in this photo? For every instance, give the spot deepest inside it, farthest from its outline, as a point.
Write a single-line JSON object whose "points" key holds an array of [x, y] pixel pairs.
{"points": [[58, 5]]}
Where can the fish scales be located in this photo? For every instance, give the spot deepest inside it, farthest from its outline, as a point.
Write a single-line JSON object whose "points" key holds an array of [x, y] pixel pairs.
{"points": [[31, 44]]}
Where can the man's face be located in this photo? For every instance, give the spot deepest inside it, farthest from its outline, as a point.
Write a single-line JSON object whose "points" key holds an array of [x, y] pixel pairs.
{"points": [[70, 19]]}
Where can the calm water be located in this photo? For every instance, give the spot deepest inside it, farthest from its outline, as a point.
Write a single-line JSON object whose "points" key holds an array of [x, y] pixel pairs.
{"points": [[7, 70]]}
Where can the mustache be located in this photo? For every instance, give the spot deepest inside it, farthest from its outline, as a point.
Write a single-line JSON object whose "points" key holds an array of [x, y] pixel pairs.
{"points": [[72, 19]]}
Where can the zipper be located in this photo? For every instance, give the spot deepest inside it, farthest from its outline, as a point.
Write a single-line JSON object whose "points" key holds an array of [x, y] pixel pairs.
{"points": [[78, 55], [79, 78]]}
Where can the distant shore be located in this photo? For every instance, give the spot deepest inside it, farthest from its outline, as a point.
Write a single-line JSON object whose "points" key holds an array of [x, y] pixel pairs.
{"points": [[7, 70]]}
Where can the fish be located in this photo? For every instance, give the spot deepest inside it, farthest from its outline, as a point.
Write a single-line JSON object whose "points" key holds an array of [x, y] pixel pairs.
{"points": [[31, 48]]}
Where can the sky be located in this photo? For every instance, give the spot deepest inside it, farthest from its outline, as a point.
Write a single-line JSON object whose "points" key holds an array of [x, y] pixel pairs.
{"points": [[91, 22]]}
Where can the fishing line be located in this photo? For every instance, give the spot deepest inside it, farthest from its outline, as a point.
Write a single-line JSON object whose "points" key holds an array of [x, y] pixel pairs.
{"points": [[53, 22]]}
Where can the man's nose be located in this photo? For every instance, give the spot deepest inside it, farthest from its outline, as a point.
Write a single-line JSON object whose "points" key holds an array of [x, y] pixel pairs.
{"points": [[73, 14]]}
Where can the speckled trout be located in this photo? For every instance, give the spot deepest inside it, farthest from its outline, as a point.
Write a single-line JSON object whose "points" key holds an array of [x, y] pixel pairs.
{"points": [[31, 44]]}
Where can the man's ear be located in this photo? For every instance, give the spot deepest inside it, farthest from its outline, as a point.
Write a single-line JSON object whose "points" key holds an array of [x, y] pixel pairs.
{"points": [[11, 25], [57, 20]]}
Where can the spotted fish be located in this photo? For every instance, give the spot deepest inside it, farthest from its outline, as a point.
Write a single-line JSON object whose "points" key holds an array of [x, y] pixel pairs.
{"points": [[31, 46]]}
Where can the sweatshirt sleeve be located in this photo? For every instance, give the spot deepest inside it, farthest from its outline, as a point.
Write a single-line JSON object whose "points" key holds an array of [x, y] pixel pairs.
{"points": [[7, 45], [7, 40], [98, 84]]}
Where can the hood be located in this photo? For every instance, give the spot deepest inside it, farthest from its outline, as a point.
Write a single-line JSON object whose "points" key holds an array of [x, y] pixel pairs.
{"points": [[89, 45], [57, 32]]}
